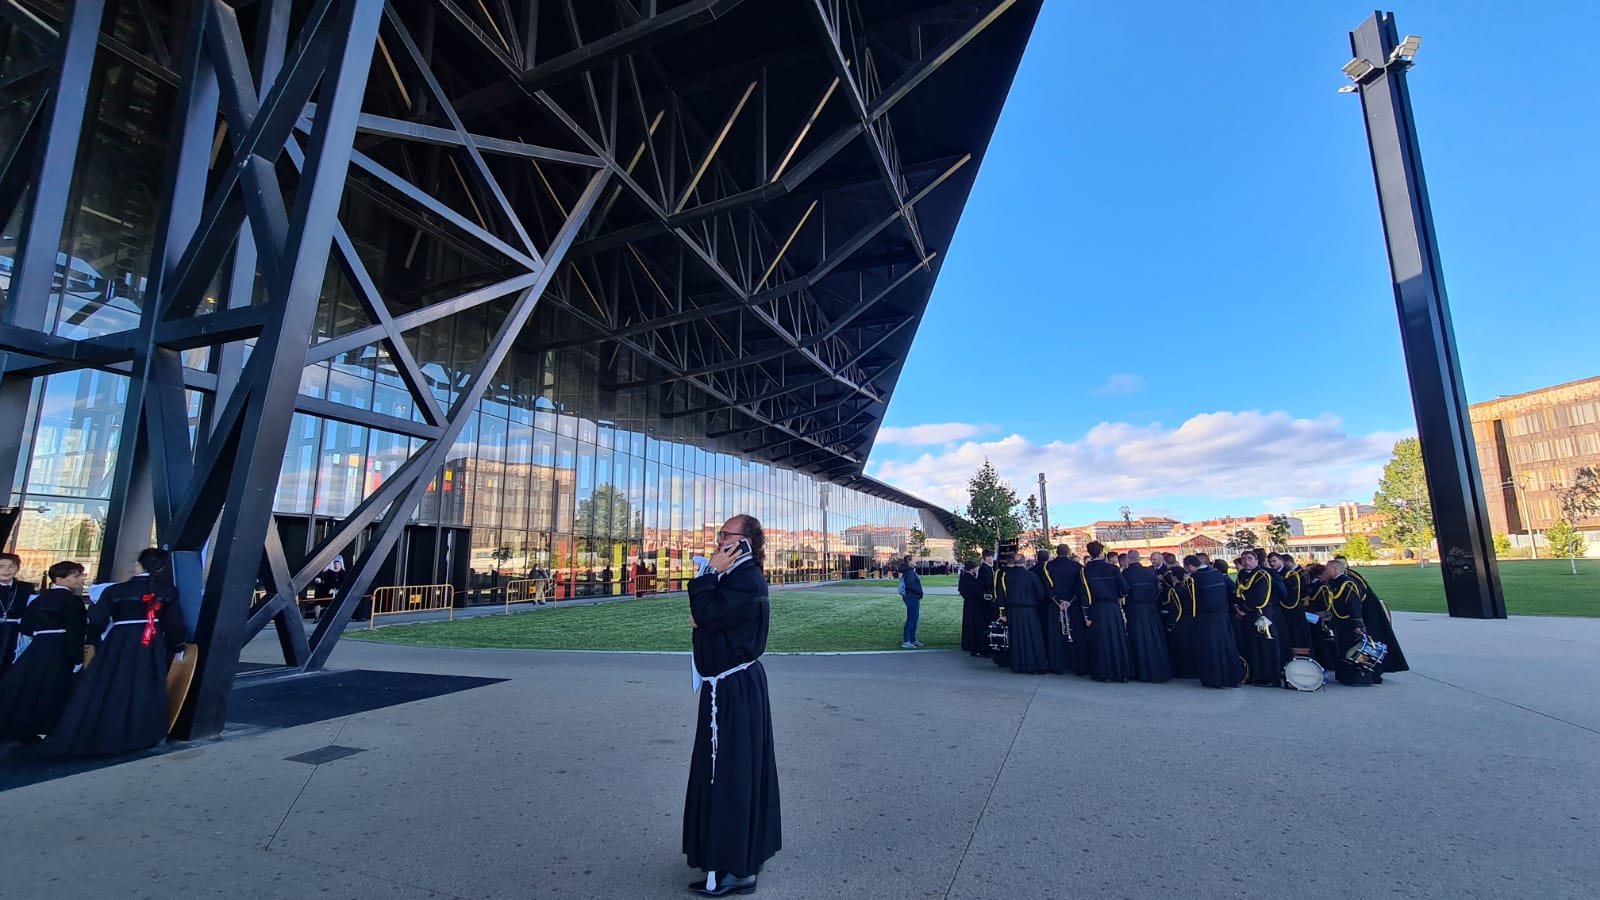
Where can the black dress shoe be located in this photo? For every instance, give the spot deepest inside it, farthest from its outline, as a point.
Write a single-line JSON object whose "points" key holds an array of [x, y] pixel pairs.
{"points": [[726, 884]]}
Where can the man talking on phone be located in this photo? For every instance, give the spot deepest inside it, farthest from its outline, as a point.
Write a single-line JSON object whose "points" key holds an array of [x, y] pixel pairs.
{"points": [[731, 821]]}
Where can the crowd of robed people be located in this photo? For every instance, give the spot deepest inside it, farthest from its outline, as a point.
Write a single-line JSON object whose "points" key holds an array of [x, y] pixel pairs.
{"points": [[1112, 618], [84, 672]]}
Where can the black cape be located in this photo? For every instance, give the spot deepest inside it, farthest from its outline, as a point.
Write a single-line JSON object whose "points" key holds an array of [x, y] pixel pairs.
{"points": [[13, 602], [120, 704], [1210, 606], [1057, 652], [1180, 638], [34, 693], [1265, 653], [1063, 577], [975, 615], [1147, 639], [1344, 599], [1022, 594], [1103, 590], [731, 817], [1380, 624], [1291, 588]]}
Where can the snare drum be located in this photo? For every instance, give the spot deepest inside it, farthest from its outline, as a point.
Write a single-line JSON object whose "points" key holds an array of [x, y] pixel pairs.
{"points": [[999, 636], [1303, 674], [1367, 654]]}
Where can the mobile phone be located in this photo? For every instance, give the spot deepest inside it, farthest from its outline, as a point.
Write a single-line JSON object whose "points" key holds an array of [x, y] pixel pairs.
{"points": [[743, 547]]}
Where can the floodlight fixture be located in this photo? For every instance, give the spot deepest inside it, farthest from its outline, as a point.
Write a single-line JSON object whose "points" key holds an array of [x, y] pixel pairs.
{"points": [[1348, 89], [1358, 69], [1406, 50]]}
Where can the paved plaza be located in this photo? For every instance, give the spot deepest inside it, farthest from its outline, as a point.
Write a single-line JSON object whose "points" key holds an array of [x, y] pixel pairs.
{"points": [[913, 774]]}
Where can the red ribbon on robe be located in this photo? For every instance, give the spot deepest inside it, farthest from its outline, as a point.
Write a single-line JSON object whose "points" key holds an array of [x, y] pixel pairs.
{"points": [[151, 607]]}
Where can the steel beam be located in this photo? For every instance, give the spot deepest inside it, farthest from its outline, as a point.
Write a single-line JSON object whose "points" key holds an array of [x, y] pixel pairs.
{"points": [[1461, 516]]}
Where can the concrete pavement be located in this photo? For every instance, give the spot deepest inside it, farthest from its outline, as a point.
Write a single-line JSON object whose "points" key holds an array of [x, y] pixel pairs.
{"points": [[918, 774]]}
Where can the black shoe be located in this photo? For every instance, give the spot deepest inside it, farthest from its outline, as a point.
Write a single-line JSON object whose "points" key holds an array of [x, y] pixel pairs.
{"points": [[725, 885]]}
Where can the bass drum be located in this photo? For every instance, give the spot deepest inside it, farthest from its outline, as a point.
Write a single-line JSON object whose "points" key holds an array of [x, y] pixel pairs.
{"points": [[1303, 674]]}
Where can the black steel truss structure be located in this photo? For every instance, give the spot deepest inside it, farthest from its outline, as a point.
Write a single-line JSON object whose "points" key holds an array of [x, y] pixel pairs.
{"points": [[747, 199]]}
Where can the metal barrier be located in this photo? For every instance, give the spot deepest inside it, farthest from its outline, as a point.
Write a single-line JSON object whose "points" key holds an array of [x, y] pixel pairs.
{"points": [[411, 598], [528, 590]]}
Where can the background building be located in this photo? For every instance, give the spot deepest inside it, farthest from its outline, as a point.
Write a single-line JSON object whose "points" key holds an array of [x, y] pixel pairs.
{"points": [[1529, 444], [1336, 519]]}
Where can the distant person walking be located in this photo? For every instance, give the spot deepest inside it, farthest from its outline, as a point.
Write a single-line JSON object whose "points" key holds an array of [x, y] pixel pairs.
{"points": [[911, 593]]}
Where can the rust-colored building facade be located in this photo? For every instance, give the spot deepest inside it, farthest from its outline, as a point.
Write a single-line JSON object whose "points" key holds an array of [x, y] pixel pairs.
{"points": [[1529, 444]]}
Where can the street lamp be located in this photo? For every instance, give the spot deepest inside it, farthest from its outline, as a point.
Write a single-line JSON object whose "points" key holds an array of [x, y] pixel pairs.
{"points": [[1519, 483]]}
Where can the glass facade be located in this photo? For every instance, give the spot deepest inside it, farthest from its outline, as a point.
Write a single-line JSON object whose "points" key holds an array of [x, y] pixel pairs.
{"points": [[553, 474]]}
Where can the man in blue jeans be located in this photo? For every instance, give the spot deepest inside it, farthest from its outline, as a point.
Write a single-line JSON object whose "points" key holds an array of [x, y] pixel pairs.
{"points": [[911, 593]]}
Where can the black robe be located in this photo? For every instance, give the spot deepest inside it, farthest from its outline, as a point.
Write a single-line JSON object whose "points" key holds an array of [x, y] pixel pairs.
{"points": [[1071, 652], [1057, 649], [120, 703], [1380, 624], [976, 615], [1022, 594], [1147, 639], [1102, 592], [1291, 587], [13, 602], [35, 691], [1264, 653], [1210, 605], [1344, 599], [1180, 638], [1324, 645], [731, 817]]}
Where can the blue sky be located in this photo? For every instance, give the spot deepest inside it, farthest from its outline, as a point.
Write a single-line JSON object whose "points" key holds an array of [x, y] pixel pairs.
{"points": [[1176, 224]]}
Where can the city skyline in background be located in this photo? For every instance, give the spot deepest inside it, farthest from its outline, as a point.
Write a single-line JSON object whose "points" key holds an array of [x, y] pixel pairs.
{"points": [[1252, 363]]}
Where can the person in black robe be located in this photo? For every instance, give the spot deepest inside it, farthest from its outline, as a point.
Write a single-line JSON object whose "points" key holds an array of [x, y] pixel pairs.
{"points": [[1343, 598], [120, 705], [1324, 648], [1021, 594], [975, 611], [1180, 633], [34, 692], [1056, 649], [1147, 639], [14, 596], [1380, 624], [1263, 645], [1064, 576], [1288, 581], [731, 816], [1103, 588], [1209, 603]]}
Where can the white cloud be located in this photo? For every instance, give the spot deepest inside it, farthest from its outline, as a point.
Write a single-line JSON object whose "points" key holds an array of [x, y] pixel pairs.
{"points": [[1247, 454], [929, 435], [1121, 383]]}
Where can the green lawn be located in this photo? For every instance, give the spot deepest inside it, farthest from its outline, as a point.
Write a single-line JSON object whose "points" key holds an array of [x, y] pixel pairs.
{"points": [[802, 621], [1543, 587]]}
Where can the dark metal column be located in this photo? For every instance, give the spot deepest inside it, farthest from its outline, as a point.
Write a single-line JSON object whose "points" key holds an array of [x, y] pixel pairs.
{"points": [[1461, 517]]}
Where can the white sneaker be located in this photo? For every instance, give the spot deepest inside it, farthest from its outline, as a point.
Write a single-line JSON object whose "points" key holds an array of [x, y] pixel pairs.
{"points": [[907, 645], [917, 644]]}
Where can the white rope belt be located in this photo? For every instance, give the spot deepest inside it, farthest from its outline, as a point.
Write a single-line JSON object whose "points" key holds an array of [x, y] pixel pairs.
{"points": [[23, 640], [114, 623], [49, 631], [713, 682], [10, 621]]}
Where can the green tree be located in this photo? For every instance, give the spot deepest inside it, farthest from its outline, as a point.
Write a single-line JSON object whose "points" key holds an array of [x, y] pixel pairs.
{"points": [[1566, 541], [1358, 549], [603, 518], [1033, 518], [1502, 545], [917, 543], [991, 513], [1402, 498], [1579, 500], [1278, 532], [1242, 540]]}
